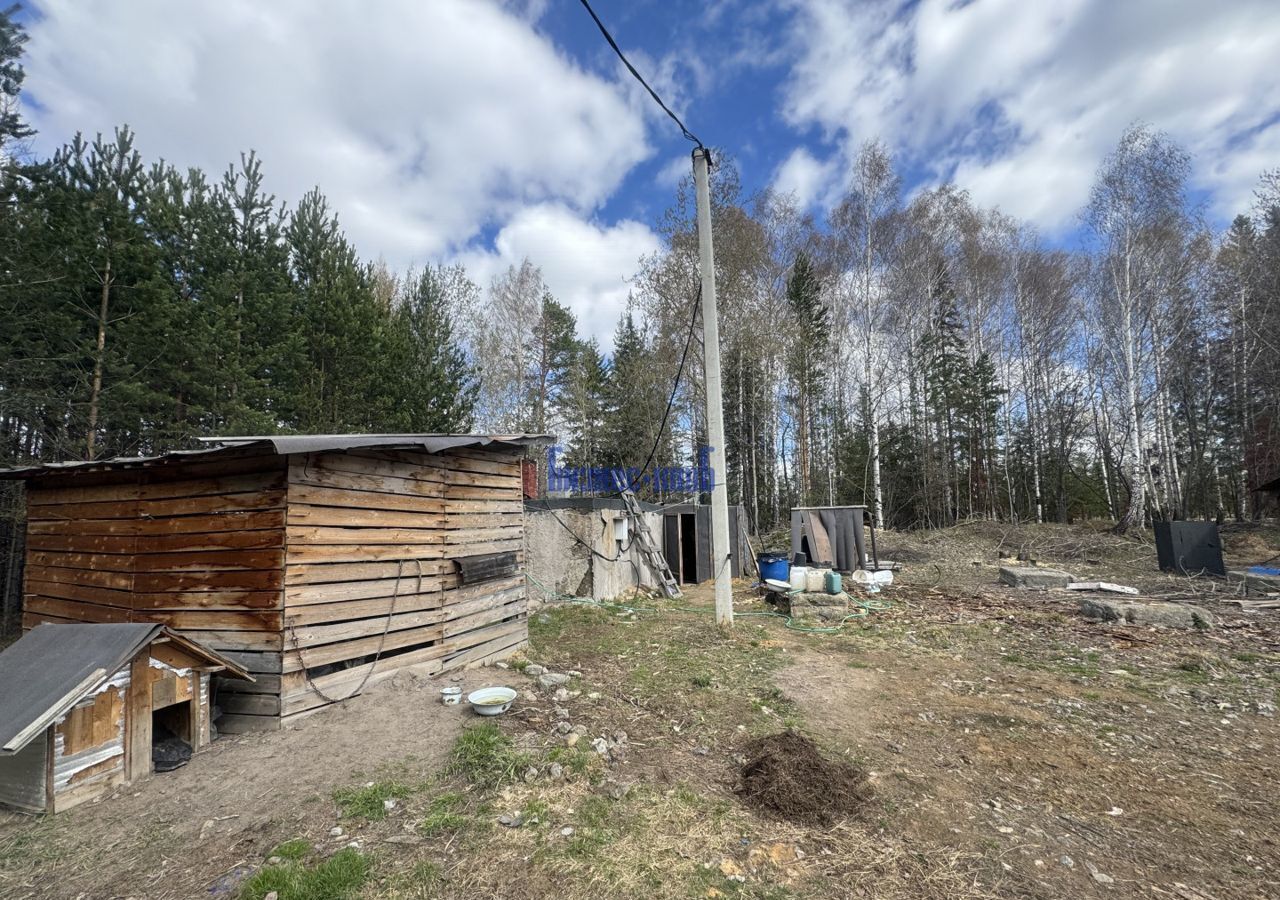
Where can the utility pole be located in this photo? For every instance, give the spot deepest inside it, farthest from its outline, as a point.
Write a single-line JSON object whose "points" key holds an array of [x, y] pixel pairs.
{"points": [[715, 412]]}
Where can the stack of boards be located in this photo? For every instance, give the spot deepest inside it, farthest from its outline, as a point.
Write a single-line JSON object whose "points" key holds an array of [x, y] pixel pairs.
{"points": [[317, 572]]}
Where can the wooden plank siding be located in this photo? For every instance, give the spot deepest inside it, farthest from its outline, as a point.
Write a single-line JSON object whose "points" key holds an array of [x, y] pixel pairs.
{"points": [[370, 583], [312, 571]]}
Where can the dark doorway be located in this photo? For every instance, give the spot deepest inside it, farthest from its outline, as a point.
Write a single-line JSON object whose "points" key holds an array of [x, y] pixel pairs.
{"points": [[689, 548]]}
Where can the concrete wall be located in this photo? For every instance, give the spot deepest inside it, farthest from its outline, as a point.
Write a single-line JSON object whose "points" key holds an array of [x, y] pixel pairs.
{"points": [[557, 562]]}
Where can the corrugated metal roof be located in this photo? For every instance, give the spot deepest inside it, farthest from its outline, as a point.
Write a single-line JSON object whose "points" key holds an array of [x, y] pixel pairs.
{"points": [[50, 668], [292, 443]]}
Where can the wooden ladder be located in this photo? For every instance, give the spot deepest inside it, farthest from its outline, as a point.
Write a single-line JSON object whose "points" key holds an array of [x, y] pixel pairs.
{"points": [[644, 537]]}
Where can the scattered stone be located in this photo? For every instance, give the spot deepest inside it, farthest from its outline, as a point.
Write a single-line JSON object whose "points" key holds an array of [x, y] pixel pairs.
{"points": [[511, 820], [1067, 861], [552, 679], [502, 665], [572, 738], [600, 745], [1034, 577], [335, 831], [561, 712], [594, 695], [274, 860], [1167, 615], [271, 895], [562, 728], [1103, 878], [1115, 811], [1266, 708], [534, 670], [530, 775], [616, 790], [389, 804], [567, 831], [700, 751], [556, 771], [1005, 829], [574, 673], [580, 729], [561, 695]]}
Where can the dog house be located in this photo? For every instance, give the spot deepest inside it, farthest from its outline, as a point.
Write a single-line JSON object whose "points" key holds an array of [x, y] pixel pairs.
{"points": [[318, 563], [832, 536], [84, 707]]}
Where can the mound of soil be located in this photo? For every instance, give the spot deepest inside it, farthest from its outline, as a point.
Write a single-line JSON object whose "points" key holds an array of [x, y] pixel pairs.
{"points": [[787, 776]]}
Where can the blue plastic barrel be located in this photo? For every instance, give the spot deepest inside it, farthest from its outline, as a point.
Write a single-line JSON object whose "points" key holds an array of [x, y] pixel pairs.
{"points": [[773, 567]]}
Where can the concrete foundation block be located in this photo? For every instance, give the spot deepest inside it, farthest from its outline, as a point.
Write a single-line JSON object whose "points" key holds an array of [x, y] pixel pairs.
{"points": [[1034, 577], [818, 607]]}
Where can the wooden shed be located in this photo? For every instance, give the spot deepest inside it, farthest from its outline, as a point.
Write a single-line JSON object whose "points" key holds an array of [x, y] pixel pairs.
{"points": [[83, 704], [317, 562], [686, 541]]}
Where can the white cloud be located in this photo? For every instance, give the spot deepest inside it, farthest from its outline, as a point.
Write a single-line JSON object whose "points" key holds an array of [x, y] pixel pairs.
{"points": [[423, 123], [1020, 101], [582, 262], [809, 179]]}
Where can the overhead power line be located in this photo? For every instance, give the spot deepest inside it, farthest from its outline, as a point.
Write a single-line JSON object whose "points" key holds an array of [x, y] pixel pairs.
{"points": [[689, 135]]}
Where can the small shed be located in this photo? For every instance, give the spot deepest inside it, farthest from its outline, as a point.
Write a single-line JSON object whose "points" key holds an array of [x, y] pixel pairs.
{"points": [[83, 705], [319, 563], [686, 541]]}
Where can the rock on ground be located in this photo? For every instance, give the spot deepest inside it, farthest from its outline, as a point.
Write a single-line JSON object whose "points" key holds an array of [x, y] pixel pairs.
{"points": [[1168, 615], [1034, 577]]}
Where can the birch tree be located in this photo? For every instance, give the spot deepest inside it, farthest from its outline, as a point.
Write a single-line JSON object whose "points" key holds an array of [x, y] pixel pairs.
{"points": [[1138, 194]]}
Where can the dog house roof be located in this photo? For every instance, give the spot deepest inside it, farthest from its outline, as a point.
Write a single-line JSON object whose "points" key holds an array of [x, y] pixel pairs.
{"points": [[52, 667]]}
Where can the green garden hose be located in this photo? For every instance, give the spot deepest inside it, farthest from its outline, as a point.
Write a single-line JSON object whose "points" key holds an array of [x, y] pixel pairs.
{"points": [[865, 608]]}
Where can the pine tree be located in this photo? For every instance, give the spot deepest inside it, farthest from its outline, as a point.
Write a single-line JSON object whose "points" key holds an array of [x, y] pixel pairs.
{"points": [[439, 384], [584, 405], [551, 348], [807, 363]]}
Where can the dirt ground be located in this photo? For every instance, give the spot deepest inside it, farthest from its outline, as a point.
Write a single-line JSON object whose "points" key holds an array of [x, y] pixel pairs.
{"points": [[178, 834], [1013, 749]]}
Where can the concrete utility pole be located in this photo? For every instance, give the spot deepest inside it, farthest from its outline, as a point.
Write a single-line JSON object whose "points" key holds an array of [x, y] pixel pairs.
{"points": [[715, 411]]}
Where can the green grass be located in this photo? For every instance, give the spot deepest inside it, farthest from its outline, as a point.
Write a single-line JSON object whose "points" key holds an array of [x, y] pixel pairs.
{"points": [[295, 849], [339, 877], [444, 815], [367, 801], [486, 757], [701, 681]]}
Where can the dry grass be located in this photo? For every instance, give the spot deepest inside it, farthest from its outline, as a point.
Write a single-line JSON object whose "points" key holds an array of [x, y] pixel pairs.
{"points": [[999, 731]]}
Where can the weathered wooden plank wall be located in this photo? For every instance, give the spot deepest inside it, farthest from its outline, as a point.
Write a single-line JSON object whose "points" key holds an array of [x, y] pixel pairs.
{"points": [[199, 547], [318, 573], [370, 580]]}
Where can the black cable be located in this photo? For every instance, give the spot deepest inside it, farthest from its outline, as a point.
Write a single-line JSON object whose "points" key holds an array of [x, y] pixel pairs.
{"points": [[675, 389], [632, 69]]}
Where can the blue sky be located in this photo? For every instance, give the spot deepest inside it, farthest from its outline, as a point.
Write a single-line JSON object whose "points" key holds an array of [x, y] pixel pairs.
{"points": [[485, 131]]}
